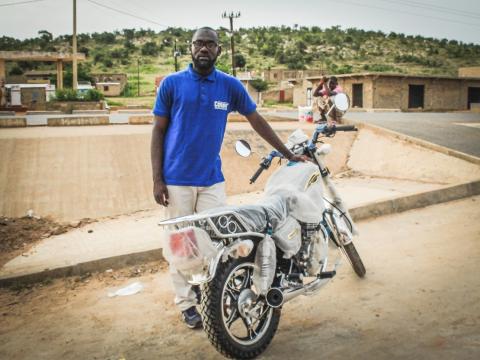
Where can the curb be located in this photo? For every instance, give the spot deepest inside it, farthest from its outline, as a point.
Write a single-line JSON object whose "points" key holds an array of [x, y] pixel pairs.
{"points": [[363, 212], [415, 201], [98, 265], [415, 141]]}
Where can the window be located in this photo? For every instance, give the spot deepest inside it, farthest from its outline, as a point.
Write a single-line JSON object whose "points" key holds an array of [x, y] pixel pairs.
{"points": [[105, 87]]}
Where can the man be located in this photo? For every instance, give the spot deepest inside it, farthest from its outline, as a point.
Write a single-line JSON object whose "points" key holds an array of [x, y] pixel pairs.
{"points": [[190, 118], [324, 90]]}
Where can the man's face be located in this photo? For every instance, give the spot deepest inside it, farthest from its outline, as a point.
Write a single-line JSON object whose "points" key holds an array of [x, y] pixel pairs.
{"points": [[332, 85], [205, 49]]}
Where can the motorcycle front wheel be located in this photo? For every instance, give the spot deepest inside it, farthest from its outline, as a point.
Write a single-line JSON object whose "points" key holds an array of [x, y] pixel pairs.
{"points": [[355, 259], [236, 323]]}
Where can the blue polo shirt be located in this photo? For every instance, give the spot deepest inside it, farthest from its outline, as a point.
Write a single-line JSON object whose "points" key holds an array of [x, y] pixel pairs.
{"points": [[197, 107]]}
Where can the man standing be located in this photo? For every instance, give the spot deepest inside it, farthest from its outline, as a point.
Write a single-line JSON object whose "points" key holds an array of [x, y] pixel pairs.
{"points": [[191, 112], [324, 90]]}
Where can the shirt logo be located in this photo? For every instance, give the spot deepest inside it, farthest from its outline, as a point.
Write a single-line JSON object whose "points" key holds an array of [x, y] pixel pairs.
{"points": [[220, 105]]}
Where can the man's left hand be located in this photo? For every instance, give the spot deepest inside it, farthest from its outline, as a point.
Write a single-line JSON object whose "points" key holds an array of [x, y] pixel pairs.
{"points": [[299, 158]]}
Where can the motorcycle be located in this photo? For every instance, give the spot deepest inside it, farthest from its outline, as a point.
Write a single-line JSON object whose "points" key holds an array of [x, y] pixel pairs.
{"points": [[250, 260]]}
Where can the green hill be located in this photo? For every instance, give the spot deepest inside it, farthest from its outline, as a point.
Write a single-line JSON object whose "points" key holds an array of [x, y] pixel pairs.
{"points": [[333, 49]]}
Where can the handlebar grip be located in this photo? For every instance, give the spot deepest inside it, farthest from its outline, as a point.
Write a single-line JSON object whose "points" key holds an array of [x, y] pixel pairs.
{"points": [[257, 174], [346, 128]]}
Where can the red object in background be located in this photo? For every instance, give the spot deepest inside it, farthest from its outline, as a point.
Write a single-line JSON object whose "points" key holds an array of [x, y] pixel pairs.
{"points": [[282, 96], [184, 244]]}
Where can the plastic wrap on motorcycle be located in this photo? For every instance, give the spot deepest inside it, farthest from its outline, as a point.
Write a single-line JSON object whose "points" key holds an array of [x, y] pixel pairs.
{"points": [[299, 184], [265, 265], [189, 250], [288, 237]]}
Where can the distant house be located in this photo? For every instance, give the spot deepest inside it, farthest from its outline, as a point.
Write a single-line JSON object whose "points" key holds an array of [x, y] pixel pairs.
{"points": [[109, 88], [39, 76], [278, 75], [399, 91], [113, 78]]}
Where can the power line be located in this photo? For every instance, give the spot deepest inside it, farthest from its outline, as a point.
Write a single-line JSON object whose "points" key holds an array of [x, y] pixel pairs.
{"points": [[126, 13], [20, 3], [407, 12], [442, 9]]}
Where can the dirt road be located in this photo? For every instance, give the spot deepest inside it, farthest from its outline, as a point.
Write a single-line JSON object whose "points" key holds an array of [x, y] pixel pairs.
{"points": [[420, 300]]}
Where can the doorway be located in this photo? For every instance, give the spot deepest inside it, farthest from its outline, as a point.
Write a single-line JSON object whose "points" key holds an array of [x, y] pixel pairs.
{"points": [[415, 96], [473, 96], [357, 95]]}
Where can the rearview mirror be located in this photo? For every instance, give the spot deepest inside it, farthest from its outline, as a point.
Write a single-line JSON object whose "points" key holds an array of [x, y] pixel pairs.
{"points": [[243, 148], [341, 102]]}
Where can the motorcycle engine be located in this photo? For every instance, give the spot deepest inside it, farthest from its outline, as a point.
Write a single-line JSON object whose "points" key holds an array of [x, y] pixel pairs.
{"points": [[314, 250]]}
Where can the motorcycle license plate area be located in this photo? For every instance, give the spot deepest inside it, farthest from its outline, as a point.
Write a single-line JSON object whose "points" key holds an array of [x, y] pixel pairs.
{"points": [[184, 244], [189, 249]]}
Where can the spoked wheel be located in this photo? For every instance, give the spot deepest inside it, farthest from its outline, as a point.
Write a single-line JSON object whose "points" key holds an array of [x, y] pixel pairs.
{"points": [[236, 323]]}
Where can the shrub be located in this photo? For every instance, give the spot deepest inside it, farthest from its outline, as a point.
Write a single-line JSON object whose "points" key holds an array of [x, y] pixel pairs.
{"points": [[93, 95]]}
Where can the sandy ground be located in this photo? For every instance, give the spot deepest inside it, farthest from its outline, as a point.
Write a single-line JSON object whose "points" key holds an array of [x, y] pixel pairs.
{"points": [[420, 299]]}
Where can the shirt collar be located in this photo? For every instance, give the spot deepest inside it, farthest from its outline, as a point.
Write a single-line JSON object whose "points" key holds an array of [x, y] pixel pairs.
{"points": [[196, 76]]}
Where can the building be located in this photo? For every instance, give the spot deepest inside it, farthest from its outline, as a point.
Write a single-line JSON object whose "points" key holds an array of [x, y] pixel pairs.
{"points": [[400, 91], [39, 76], [278, 75], [109, 88], [111, 78]]}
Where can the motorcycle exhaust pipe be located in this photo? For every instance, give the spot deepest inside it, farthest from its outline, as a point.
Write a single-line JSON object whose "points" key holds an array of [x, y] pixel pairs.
{"points": [[277, 297]]}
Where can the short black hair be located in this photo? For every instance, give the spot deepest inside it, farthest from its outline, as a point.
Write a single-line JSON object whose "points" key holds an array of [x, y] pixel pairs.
{"points": [[206, 28], [334, 79]]}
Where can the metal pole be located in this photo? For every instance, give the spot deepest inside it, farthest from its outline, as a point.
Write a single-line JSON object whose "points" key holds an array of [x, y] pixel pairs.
{"points": [[138, 77], [74, 47], [175, 55], [232, 45]]}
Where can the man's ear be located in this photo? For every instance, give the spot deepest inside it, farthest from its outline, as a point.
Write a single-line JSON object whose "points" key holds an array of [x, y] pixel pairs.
{"points": [[219, 50]]}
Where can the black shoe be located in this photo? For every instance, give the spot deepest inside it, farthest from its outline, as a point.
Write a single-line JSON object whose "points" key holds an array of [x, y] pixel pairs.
{"points": [[192, 318]]}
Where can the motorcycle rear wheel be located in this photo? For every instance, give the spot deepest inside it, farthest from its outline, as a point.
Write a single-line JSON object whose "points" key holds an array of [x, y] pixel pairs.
{"points": [[355, 260], [222, 320]]}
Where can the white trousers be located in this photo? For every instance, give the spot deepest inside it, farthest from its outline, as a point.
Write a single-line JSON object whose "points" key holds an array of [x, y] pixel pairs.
{"points": [[186, 200]]}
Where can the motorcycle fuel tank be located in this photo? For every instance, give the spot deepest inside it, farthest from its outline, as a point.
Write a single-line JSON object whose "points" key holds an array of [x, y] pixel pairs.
{"points": [[301, 182]]}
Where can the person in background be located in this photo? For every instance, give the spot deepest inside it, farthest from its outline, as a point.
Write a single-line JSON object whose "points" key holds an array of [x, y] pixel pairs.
{"points": [[324, 90]]}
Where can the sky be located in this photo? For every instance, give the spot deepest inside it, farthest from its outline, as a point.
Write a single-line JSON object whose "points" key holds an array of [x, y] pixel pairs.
{"points": [[458, 20]]}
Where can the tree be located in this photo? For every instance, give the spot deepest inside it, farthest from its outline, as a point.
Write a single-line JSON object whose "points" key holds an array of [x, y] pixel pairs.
{"points": [[150, 49], [240, 61], [259, 85]]}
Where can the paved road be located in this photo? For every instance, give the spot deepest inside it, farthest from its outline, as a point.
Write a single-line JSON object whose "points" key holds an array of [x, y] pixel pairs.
{"points": [[457, 131]]}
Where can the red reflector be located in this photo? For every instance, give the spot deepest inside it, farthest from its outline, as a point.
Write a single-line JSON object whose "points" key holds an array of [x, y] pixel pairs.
{"points": [[184, 244]]}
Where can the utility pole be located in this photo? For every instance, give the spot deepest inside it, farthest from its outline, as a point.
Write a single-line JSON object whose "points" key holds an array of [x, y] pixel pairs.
{"points": [[138, 77], [175, 54], [74, 47], [232, 16]]}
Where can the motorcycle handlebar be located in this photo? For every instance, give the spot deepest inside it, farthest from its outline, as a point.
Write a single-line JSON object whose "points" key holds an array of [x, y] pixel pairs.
{"points": [[345, 128], [257, 174]]}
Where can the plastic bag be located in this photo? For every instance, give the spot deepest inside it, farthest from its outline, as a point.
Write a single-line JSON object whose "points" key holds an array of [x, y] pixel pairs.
{"points": [[189, 249], [265, 265], [288, 237]]}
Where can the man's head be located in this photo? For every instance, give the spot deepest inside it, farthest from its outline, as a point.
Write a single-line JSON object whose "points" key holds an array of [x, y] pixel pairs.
{"points": [[332, 83], [205, 49]]}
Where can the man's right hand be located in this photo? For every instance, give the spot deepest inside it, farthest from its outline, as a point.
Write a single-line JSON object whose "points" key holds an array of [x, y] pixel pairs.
{"points": [[160, 193]]}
